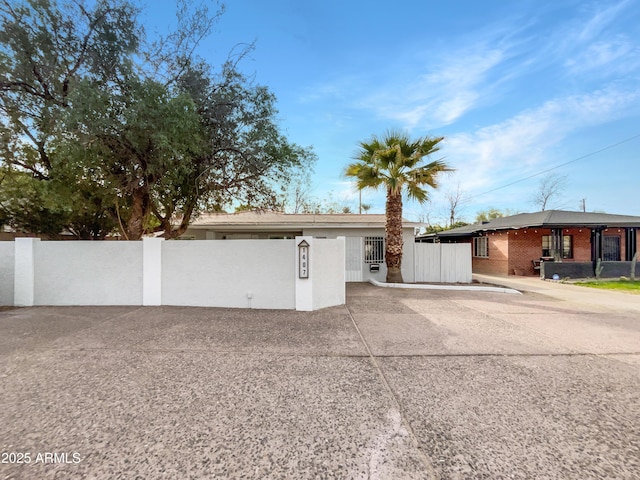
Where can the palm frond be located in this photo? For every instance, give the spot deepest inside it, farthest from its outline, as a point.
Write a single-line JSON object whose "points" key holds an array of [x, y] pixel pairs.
{"points": [[416, 192], [394, 161], [367, 176]]}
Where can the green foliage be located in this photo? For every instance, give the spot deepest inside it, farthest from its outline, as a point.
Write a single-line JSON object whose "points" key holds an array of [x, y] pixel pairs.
{"points": [[106, 132], [394, 163], [441, 228], [489, 214], [52, 207], [630, 286]]}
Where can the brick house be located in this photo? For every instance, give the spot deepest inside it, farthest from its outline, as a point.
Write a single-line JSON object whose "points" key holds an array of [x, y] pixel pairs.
{"points": [[515, 245]]}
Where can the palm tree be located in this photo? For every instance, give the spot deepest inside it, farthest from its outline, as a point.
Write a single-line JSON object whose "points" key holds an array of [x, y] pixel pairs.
{"points": [[395, 163]]}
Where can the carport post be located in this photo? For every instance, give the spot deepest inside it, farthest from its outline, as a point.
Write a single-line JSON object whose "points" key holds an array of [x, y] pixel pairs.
{"points": [[152, 271], [24, 272]]}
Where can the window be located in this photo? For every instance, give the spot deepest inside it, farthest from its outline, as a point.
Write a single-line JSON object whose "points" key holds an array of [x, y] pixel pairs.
{"points": [[567, 246], [373, 249], [481, 247]]}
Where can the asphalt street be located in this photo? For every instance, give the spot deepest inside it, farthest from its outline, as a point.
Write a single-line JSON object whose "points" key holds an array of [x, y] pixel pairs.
{"points": [[397, 384]]}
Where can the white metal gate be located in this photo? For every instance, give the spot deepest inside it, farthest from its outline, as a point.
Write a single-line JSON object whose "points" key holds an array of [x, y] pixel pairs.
{"points": [[427, 261], [353, 259], [443, 262]]}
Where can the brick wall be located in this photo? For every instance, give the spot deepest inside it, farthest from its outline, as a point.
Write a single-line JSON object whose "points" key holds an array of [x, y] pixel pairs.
{"points": [[581, 243], [497, 262], [525, 245]]}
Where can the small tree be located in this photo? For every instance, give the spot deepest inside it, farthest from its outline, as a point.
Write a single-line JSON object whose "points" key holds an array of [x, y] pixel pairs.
{"points": [[492, 213], [549, 189], [454, 202]]}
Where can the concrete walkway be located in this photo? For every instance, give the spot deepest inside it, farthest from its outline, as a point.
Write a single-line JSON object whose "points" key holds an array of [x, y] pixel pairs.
{"points": [[602, 300], [397, 384]]}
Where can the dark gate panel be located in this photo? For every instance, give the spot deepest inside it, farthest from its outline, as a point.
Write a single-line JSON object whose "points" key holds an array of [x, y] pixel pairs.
{"points": [[610, 248]]}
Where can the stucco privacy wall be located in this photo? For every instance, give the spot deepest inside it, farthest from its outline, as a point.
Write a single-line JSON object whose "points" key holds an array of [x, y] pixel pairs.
{"points": [[7, 266], [328, 268], [241, 273], [233, 273], [88, 273]]}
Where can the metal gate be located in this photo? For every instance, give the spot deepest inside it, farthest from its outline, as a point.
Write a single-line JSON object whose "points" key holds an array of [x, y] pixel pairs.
{"points": [[611, 248], [353, 259]]}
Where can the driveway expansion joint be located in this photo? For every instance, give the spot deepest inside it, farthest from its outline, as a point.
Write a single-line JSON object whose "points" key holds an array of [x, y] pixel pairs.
{"points": [[428, 464]]}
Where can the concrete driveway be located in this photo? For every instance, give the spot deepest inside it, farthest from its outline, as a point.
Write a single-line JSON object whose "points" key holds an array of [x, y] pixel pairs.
{"points": [[400, 384]]}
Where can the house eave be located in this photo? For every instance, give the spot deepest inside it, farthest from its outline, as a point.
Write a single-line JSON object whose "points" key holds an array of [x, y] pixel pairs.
{"points": [[292, 226]]}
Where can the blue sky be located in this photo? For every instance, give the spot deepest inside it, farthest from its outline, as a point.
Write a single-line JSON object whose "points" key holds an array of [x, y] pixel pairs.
{"points": [[516, 88]]}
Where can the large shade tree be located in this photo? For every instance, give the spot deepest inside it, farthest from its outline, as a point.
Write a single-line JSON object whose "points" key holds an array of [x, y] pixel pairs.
{"points": [[395, 162], [102, 130]]}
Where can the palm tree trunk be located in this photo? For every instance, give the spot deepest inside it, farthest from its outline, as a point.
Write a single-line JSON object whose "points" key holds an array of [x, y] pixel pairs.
{"points": [[393, 231]]}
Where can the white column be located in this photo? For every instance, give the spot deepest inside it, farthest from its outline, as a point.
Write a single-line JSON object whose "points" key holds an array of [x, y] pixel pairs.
{"points": [[304, 286], [24, 272], [152, 271]]}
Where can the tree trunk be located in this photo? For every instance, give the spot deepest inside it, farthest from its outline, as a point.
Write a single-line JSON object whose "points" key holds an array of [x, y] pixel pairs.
{"points": [[139, 210], [170, 232], [393, 231]]}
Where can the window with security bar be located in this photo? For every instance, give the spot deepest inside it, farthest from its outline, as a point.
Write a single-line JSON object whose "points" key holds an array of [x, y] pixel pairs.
{"points": [[373, 249]]}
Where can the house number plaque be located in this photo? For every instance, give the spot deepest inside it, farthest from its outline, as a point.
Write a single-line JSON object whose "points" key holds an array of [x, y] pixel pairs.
{"points": [[303, 259]]}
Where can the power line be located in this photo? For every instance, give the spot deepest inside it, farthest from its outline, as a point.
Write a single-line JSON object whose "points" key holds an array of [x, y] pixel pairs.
{"points": [[608, 147]]}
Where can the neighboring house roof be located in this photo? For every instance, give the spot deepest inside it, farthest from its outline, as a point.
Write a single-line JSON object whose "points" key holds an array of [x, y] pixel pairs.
{"points": [[275, 220], [545, 219]]}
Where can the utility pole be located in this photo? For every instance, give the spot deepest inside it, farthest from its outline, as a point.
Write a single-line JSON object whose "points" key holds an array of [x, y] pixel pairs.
{"points": [[584, 204]]}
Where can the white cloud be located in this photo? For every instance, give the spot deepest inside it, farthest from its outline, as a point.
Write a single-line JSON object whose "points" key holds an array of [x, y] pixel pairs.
{"points": [[510, 150], [600, 20], [450, 89], [607, 57], [430, 93]]}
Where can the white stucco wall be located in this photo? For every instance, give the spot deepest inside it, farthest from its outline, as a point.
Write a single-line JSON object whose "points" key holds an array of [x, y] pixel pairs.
{"points": [[327, 262], [227, 273], [6, 272], [88, 273], [233, 273]]}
